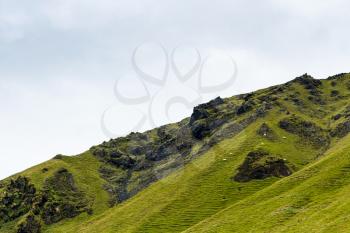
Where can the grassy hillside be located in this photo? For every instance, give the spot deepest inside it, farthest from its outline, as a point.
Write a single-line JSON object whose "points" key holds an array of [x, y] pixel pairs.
{"points": [[275, 160]]}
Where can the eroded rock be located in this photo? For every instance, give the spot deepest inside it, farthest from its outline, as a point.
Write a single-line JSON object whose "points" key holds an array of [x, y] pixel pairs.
{"points": [[64, 199], [17, 199], [261, 164], [308, 131], [30, 224]]}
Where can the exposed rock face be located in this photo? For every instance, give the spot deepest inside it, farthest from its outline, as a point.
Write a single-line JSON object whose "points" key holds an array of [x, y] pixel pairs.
{"points": [[64, 200], [308, 131], [17, 199], [133, 162], [204, 118], [59, 199], [31, 224], [245, 107], [260, 165], [308, 81]]}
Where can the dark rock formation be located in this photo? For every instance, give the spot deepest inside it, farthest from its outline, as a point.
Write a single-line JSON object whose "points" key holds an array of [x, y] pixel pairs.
{"points": [[245, 107], [341, 130], [334, 93], [260, 165], [337, 76], [17, 199], [308, 81], [266, 131], [31, 224], [308, 131], [206, 118], [64, 200]]}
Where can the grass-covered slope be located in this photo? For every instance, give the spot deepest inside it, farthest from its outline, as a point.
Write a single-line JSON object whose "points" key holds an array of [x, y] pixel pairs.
{"points": [[275, 160]]}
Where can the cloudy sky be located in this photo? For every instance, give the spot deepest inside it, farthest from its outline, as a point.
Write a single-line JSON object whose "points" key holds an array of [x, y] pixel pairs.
{"points": [[60, 60]]}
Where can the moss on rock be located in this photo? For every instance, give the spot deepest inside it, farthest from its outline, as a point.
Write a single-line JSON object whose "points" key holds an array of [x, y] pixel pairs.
{"points": [[261, 164], [17, 199], [64, 200]]}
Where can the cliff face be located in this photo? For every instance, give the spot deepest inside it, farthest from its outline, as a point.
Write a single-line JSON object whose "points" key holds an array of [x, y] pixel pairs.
{"points": [[179, 176]]}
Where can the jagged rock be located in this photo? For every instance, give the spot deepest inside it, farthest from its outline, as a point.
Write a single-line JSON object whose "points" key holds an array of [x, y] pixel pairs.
{"points": [[204, 127], [99, 152], [216, 102], [260, 165], [124, 161], [136, 136], [206, 118], [164, 134], [198, 113], [246, 97], [308, 81], [307, 130], [337, 76], [64, 200], [184, 140], [245, 107], [115, 154], [17, 199], [200, 129], [162, 151], [31, 224], [137, 150], [213, 103]]}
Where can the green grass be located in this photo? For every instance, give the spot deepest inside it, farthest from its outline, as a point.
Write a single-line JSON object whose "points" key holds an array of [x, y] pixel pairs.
{"points": [[202, 197], [312, 200]]}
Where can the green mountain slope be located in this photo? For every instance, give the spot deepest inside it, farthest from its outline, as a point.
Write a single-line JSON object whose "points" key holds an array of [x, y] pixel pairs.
{"points": [[275, 160]]}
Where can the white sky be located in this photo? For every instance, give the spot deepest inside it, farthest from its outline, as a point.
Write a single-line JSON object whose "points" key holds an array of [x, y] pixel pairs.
{"points": [[59, 60]]}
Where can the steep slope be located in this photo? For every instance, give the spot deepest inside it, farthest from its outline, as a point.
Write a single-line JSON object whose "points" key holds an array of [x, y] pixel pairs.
{"points": [[315, 199], [267, 161]]}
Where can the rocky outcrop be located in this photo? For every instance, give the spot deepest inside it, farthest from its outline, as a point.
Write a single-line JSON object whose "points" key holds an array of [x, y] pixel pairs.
{"points": [[308, 82], [64, 200], [30, 224], [266, 132], [261, 164], [205, 118], [59, 199], [17, 199], [308, 131], [341, 130]]}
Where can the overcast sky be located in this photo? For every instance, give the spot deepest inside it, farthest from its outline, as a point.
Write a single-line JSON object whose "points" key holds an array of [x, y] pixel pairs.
{"points": [[60, 59]]}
